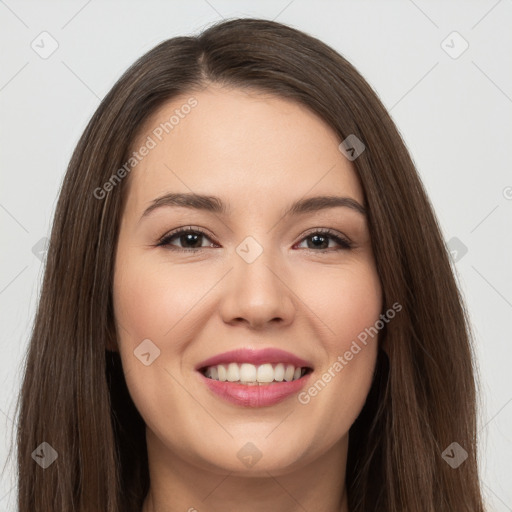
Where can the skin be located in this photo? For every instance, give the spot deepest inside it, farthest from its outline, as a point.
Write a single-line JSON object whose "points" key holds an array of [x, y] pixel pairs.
{"points": [[258, 153]]}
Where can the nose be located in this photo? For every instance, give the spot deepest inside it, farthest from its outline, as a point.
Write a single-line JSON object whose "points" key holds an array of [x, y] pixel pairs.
{"points": [[257, 294]]}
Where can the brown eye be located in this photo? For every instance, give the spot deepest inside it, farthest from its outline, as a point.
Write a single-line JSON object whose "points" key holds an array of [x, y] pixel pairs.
{"points": [[190, 240], [320, 241]]}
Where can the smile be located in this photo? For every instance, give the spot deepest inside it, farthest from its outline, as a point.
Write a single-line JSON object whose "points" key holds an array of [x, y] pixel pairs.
{"points": [[254, 378], [252, 375]]}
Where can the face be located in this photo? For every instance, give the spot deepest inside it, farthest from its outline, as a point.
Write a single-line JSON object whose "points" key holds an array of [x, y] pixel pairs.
{"points": [[193, 282]]}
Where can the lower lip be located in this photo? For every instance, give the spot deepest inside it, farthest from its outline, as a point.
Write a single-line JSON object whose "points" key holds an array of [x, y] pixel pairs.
{"points": [[255, 396]]}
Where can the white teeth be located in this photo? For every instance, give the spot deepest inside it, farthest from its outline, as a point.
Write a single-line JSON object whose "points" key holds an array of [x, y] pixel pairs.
{"points": [[233, 372], [265, 373], [288, 373], [223, 374], [279, 372], [247, 373]]}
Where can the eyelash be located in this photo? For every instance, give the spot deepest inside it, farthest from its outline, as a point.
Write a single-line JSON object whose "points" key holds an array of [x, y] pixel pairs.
{"points": [[165, 240]]}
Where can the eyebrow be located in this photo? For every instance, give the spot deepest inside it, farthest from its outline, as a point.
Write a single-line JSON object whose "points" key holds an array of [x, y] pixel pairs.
{"points": [[216, 205]]}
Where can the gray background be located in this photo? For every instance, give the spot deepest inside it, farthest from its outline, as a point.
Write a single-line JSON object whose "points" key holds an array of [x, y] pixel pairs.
{"points": [[453, 110]]}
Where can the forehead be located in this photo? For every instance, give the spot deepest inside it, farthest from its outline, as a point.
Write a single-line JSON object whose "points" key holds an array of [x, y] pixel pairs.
{"points": [[244, 146]]}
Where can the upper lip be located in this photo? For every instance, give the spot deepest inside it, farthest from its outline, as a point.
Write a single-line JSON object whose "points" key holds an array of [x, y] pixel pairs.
{"points": [[256, 357]]}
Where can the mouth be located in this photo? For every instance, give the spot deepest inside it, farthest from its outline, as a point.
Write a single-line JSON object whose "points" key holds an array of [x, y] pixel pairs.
{"points": [[254, 378], [248, 385], [248, 374]]}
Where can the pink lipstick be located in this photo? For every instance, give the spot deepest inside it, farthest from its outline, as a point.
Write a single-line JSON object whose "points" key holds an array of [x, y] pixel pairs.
{"points": [[255, 378]]}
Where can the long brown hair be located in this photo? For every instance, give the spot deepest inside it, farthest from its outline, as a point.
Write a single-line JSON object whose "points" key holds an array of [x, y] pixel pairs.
{"points": [[424, 392]]}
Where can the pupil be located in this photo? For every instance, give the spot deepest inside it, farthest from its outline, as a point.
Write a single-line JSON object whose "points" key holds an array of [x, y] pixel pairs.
{"points": [[190, 236], [317, 238]]}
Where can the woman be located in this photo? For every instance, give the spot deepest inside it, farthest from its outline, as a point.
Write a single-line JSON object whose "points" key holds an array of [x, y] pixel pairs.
{"points": [[309, 349]]}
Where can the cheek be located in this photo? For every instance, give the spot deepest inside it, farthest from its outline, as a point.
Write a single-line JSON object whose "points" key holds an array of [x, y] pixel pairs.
{"points": [[347, 310], [359, 304], [346, 302], [150, 300], [160, 302], [151, 303]]}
